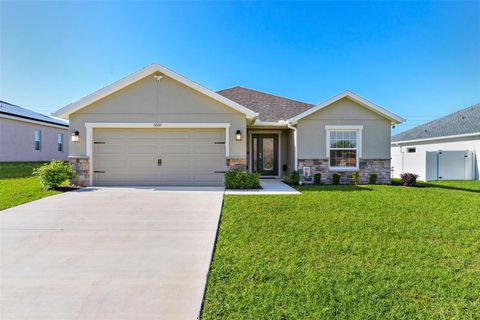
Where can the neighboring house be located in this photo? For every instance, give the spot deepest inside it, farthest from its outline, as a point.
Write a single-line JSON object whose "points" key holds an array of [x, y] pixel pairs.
{"points": [[444, 149], [26, 135], [157, 127]]}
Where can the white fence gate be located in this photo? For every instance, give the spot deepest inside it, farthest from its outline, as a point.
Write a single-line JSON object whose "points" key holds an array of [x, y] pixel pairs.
{"points": [[450, 165]]}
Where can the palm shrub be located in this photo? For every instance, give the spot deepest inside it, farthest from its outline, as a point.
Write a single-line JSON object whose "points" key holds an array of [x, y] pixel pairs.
{"points": [[54, 173], [236, 179], [336, 178]]}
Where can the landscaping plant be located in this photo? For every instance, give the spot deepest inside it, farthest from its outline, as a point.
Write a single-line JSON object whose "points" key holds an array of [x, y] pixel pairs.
{"points": [[293, 178], [355, 178], [409, 179], [54, 173], [236, 179], [317, 178], [372, 179], [336, 178]]}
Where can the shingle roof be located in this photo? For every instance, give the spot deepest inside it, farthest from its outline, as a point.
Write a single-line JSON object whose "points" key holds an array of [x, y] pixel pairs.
{"points": [[461, 122], [270, 107], [14, 110]]}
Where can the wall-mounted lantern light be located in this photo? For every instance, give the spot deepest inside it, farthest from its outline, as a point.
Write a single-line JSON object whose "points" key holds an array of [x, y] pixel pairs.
{"points": [[238, 135], [75, 136]]}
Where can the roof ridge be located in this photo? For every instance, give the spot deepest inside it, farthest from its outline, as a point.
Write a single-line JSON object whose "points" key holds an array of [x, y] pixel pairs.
{"points": [[266, 93]]}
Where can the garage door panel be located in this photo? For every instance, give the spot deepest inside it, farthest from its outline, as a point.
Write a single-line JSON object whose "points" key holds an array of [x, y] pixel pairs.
{"points": [[130, 156], [171, 148], [208, 164]]}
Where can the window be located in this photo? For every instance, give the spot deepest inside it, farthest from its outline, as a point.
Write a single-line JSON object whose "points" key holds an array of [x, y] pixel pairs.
{"points": [[37, 139], [411, 150], [343, 147], [60, 141]]}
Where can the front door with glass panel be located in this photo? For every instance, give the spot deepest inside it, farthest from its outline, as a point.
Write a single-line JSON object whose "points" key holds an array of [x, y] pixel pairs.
{"points": [[265, 154]]}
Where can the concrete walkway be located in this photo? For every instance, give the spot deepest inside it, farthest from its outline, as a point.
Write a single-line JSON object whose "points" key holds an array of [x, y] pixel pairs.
{"points": [[270, 187], [108, 253]]}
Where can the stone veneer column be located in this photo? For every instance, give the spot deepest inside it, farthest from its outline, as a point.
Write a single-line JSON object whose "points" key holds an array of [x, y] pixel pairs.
{"points": [[380, 167], [237, 164], [81, 167]]}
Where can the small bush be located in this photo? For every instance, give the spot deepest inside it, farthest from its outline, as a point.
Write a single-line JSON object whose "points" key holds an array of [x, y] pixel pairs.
{"points": [[54, 173], [317, 178], [236, 179], [293, 178], [336, 178], [409, 179], [396, 181], [355, 178], [372, 179]]}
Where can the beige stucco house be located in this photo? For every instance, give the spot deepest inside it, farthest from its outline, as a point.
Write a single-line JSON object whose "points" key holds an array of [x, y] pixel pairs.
{"points": [[26, 135], [157, 127]]}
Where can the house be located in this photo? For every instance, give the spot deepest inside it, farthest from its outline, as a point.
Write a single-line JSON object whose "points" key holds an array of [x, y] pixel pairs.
{"points": [[26, 135], [157, 127], [447, 148]]}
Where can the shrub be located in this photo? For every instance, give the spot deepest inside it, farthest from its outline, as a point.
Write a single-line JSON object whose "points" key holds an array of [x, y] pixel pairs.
{"points": [[336, 178], [54, 173], [372, 179], [396, 181], [355, 178], [236, 179], [409, 179], [317, 178], [293, 178]]}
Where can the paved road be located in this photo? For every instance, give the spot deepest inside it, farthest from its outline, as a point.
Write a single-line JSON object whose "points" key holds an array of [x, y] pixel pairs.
{"points": [[108, 253]]}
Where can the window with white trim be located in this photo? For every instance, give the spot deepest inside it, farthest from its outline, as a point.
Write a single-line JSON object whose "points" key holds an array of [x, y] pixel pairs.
{"points": [[37, 139], [343, 148], [60, 142]]}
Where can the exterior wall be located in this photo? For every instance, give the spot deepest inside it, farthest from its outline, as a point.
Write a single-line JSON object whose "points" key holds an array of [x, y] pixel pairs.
{"points": [[380, 167], [81, 166], [375, 140], [376, 133], [416, 162], [17, 141], [167, 101]]}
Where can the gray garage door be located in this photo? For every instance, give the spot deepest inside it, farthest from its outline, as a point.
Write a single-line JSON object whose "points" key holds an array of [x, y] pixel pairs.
{"points": [[159, 156]]}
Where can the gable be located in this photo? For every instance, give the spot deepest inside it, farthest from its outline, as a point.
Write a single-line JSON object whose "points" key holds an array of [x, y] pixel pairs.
{"points": [[385, 114], [151, 70], [344, 109], [147, 96]]}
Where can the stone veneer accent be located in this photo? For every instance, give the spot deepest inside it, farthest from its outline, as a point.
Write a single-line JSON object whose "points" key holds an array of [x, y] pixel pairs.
{"points": [[82, 169], [237, 164], [380, 167]]}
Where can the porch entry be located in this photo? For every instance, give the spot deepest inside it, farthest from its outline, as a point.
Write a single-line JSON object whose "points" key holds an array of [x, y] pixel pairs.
{"points": [[265, 154]]}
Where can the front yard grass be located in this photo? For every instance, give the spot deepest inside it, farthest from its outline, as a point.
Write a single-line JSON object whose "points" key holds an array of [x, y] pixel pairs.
{"points": [[343, 252], [17, 185]]}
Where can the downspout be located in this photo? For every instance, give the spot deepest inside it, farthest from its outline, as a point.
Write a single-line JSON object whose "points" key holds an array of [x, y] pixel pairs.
{"points": [[294, 142]]}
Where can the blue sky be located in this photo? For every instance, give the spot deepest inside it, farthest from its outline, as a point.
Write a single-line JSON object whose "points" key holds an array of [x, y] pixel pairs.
{"points": [[418, 59]]}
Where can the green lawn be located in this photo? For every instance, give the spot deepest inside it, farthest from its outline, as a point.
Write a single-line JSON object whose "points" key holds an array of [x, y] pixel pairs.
{"points": [[369, 252], [17, 185]]}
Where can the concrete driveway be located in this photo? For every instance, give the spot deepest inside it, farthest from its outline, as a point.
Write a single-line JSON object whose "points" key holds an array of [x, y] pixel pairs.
{"points": [[108, 253]]}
